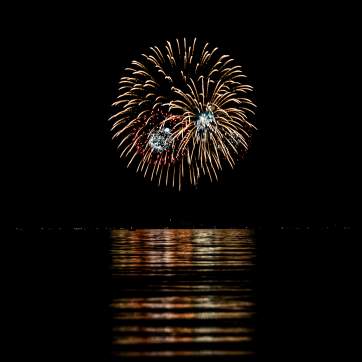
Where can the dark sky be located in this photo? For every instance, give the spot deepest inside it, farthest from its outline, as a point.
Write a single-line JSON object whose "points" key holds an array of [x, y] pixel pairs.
{"points": [[64, 66]]}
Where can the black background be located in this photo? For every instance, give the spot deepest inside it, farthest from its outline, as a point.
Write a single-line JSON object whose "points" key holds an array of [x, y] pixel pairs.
{"points": [[64, 66]]}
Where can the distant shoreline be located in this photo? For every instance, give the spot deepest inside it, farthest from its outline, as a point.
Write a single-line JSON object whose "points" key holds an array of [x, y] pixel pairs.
{"points": [[131, 227]]}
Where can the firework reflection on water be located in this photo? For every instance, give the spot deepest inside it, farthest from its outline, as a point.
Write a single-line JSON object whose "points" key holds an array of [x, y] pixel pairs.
{"points": [[181, 293]]}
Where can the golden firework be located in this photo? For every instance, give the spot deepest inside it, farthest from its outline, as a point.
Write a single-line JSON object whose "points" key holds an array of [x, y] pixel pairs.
{"points": [[182, 113]]}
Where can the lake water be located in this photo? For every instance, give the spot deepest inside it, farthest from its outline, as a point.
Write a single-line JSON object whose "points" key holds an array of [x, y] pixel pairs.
{"points": [[184, 295]]}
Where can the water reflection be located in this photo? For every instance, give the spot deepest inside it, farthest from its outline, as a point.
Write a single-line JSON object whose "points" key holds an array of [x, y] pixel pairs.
{"points": [[183, 293]]}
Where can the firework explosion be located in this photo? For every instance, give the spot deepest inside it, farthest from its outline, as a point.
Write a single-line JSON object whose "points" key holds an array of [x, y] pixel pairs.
{"points": [[182, 113]]}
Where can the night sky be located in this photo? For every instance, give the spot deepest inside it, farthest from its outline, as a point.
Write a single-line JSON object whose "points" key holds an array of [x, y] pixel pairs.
{"points": [[64, 66]]}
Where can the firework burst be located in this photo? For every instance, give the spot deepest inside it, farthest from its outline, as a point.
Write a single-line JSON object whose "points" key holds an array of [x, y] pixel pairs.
{"points": [[182, 113]]}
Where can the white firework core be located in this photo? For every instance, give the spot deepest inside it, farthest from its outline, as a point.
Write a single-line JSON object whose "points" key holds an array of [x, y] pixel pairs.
{"points": [[160, 139], [204, 120]]}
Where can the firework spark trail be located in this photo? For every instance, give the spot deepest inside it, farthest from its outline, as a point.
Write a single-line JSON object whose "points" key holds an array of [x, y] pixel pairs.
{"points": [[182, 112]]}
